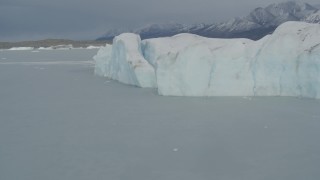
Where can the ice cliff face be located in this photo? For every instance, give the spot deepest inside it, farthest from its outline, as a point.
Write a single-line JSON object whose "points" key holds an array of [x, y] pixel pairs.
{"points": [[286, 63], [123, 61]]}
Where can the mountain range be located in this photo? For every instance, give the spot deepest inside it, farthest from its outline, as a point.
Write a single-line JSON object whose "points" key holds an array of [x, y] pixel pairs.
{"points": [[259, 22]]}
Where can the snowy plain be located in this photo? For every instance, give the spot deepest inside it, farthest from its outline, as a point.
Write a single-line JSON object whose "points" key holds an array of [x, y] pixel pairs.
{"points": [[59, 121]]}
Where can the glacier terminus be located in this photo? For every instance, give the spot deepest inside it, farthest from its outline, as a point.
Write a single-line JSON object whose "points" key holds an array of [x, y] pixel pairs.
{"points": [[285, 63]]}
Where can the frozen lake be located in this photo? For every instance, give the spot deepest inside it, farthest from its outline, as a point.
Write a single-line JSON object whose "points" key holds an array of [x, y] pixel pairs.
{"points": [[60, 122]]}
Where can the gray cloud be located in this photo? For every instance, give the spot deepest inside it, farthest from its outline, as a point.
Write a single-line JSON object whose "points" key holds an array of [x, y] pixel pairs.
{"points": [[84, 19]]}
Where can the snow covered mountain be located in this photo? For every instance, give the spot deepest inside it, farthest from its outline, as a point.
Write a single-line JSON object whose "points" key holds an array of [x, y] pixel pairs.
{"points": [[313, 18], [260, 22], [150, 31], [285, 63], [111, 33], [160, 30]]}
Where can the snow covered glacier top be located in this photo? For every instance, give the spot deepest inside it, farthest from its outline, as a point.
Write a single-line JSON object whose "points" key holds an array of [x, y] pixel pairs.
{"points": [[286, 63]]}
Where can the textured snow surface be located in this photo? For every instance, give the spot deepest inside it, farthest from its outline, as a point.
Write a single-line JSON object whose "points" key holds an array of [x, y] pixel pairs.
{"points": [[286, 63]]}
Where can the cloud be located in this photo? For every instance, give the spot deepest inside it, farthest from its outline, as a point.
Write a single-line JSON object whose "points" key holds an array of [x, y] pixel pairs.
{"points": [[83, 19]]}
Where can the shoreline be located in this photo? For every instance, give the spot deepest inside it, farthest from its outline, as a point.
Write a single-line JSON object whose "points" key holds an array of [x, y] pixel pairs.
{"points": [[52, 43]]}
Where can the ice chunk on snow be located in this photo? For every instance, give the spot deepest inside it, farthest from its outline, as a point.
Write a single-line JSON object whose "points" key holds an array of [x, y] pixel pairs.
{"points": [[93, 47], [58, 47], [286, 63], [175, 149], [21, 48]]}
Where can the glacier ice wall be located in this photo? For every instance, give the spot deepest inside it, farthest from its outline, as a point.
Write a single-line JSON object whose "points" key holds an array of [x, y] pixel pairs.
{"points": [[123, 61], [286, 63]]}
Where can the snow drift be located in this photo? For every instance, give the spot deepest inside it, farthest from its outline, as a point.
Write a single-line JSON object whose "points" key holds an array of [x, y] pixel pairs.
{"points": [[286, 63]]}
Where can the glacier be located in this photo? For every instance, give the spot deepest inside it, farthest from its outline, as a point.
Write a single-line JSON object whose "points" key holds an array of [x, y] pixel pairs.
{"points": [[123, 61], [285, 63]]}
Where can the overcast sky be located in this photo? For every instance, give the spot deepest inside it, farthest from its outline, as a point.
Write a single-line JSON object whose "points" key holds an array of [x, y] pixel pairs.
{"points": [[87, 19]]}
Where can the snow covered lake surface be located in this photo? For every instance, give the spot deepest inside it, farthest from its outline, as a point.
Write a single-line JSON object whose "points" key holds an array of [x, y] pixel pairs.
{"points": [[60, 122]]}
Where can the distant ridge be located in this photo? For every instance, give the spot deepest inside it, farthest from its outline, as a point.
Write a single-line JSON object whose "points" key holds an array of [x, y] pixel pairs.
{"points": [[259, 22], [52, 42]]}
